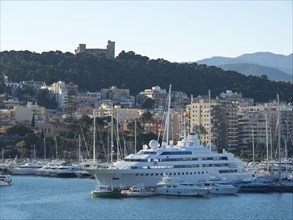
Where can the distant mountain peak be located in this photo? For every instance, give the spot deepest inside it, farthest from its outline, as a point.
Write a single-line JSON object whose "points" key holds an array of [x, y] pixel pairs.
{"points": [[280, 62]]}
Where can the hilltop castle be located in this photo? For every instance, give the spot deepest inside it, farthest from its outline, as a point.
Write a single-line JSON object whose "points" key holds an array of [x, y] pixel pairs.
{"points": [[108, 52]]}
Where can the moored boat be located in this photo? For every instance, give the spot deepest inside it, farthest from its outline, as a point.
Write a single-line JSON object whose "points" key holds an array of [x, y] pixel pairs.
{"points": [[65, 171], [222, 188], [189, 160], [105, 191], [138, 191], [25, 169], [5, 180], [176, 187]]}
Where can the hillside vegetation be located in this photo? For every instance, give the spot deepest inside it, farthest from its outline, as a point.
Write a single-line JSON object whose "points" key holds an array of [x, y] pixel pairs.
{"points": [[136, 72]]}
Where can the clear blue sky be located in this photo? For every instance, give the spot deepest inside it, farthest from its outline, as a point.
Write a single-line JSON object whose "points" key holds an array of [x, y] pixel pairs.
{"points": [[173, 30]]}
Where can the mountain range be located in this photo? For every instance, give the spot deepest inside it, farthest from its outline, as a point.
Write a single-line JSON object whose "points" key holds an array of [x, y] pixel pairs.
{"points": [[275, 66]]}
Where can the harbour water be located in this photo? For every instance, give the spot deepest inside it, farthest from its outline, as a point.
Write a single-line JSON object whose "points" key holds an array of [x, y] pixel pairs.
{"points": [[34, 198]]}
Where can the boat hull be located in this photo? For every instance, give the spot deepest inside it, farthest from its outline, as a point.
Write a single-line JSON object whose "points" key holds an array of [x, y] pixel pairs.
{"points": [[5, 180], [23, 171], [110, 194], [150, 177], [182, 192]]}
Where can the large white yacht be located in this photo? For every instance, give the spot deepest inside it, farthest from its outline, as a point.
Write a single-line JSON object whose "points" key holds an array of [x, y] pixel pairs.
{"points": [[188, 160], [25, 169]]}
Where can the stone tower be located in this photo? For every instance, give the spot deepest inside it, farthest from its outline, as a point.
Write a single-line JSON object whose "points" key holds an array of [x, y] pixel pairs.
{"points": [[111, 49]]}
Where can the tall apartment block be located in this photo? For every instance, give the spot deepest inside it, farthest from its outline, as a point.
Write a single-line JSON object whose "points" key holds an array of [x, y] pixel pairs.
{"points": [[201, 116], [108, 52]]}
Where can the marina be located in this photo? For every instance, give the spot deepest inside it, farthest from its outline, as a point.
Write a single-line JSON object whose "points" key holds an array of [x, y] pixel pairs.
{"points": [[33, 197]]}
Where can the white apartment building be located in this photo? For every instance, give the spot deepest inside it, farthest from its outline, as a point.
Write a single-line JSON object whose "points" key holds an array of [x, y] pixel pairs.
{"points": [[207, 120], [157, 94], [61, 94]]}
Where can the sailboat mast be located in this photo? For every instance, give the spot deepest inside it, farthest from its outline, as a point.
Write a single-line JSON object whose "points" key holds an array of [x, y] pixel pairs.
{"points": [[210, 122], [135, 136], [286, 155], [252, 133], [117, 138], [279, 140], [267, 141], [45, 152], [112, 133], [79, 147], [94, 140], [56, 151], [168, 115]]}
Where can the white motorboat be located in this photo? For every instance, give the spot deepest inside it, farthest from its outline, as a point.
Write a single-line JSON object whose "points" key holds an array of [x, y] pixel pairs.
{"points": [[189, 160], [222, 188], [219, 186], [138, 191], [25, 169], [5, 180], [65, 171], [46, 170], [176, 187]]}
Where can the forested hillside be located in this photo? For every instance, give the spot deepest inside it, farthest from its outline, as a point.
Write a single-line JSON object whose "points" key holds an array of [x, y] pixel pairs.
{"points": [[136, 72]]}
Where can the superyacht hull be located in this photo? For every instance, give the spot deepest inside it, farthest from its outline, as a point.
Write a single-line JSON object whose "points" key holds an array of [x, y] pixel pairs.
{"points": [[150, 177]]}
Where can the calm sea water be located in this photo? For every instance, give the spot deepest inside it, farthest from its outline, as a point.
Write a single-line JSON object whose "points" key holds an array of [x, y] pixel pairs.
{"points": [[37, 198]]}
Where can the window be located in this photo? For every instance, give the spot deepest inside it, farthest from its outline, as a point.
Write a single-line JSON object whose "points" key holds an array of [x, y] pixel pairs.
{"points": [[176, 152]]}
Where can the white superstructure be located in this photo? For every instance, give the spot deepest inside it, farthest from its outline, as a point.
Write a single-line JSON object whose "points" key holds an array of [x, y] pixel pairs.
{"points": [[188, 160]]}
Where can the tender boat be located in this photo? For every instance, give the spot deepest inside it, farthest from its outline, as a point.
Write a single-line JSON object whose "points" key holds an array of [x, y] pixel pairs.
{"points": [[219, 186], [222, 188], [5, 180], [106, 192], [177, 187], [138, 191]]}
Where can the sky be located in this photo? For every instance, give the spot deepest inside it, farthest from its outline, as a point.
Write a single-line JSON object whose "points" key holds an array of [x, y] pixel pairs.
{"points": [[178, 31]]}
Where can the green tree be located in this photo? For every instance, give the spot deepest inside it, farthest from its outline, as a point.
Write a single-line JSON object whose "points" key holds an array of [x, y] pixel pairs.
{"points": [[146, 116], [148, 103], [19, 130]]}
